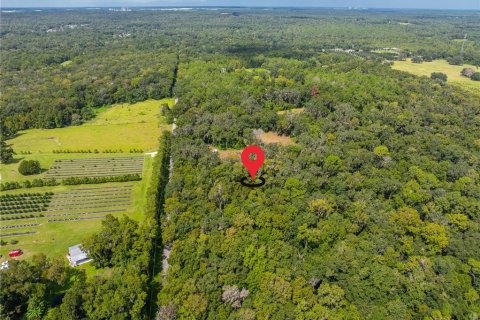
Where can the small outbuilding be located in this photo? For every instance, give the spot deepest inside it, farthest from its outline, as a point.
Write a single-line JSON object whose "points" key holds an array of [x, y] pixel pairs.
{"points": [[77, 256]]}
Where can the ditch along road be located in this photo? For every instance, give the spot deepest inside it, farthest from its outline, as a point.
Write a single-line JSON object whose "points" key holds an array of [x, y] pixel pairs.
{"points": [[155, 287], [167, 248]]}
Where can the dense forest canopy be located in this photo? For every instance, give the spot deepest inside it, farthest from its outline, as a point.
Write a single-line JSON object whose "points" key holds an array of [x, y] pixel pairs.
{"points": [[57, 63], [371, 212]]}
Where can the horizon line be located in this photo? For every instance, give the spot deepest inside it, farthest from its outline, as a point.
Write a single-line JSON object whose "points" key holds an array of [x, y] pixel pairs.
{"points": [[240, 7]]}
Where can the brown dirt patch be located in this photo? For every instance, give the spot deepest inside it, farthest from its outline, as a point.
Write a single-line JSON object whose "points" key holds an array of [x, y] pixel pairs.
{"points": [[272, 137], [227, 154]]}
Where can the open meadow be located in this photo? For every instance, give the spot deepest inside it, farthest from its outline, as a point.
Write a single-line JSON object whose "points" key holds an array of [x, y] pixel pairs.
{"points": [[452, 72], [121, 126]]}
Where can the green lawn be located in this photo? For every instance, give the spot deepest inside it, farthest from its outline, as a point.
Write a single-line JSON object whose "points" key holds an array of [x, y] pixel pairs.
{"points": [[452, 72]]}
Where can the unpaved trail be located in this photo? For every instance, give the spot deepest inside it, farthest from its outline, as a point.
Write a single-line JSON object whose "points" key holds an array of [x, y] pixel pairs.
{"points": [[168, 246]]}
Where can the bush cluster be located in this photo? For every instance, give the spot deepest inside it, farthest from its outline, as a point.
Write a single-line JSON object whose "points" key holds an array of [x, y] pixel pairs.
{"points": [[29, 167], [90, 180], [28, 184]]}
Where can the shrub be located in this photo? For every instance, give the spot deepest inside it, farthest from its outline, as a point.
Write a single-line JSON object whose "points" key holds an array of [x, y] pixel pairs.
{"points": [[28, 167], [417, 59], [457, 60], [439, 76], [475, 76]]}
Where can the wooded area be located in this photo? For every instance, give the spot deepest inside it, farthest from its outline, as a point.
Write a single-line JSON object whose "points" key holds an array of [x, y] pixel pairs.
{"points": [[373, 212]]}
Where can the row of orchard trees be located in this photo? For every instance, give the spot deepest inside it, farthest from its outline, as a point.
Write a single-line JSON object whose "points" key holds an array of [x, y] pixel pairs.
{"points": [[372, 214], [123, 246]]}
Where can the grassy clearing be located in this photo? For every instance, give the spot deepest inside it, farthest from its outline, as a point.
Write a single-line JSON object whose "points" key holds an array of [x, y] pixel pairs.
{"points": [[142, 112], [233, 154], [452, 72], [294, 111], [122, 136], [120, 126], [272, 137]]}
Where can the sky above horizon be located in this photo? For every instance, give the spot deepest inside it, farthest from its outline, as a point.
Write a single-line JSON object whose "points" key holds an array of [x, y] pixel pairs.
{"points": [[424, 4]]}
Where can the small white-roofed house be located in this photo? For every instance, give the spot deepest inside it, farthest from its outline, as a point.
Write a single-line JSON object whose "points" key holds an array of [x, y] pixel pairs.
{"points": [[77, 256]]}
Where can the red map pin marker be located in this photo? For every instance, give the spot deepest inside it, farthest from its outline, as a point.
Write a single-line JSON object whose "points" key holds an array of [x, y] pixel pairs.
{"points": [[252, 165]]}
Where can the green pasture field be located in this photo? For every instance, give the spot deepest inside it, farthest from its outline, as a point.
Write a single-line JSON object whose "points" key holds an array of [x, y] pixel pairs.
{"points": [[120, 126], [452, 72]]}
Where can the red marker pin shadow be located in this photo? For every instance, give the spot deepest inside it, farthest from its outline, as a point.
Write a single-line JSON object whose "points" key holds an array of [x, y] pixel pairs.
{"points": [[252, 165]]}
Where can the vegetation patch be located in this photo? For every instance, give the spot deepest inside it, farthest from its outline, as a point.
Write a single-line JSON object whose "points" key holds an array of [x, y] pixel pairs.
{"points": [[453, 72], [121, 126], [272, 137], [232, 154], [12, 205], [294, 111]]}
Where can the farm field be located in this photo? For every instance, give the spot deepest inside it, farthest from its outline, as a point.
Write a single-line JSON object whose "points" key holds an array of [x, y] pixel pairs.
{"points": [[9, 172], [53, 239], [452, 72], [95, 167], [73, 213], [122, 134], [119, 126]]}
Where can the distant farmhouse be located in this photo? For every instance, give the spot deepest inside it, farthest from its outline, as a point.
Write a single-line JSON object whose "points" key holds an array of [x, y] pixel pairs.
{"points": [[77, 256]]}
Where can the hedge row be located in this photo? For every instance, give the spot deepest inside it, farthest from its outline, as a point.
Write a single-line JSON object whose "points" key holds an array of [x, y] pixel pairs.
{"points": [[154, 209], [68, 181], [90, 180], [28, 184], [95, 151]]}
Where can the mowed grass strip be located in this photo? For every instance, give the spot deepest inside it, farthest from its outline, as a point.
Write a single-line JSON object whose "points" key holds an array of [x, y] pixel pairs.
{"points": [[452, 72]]}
